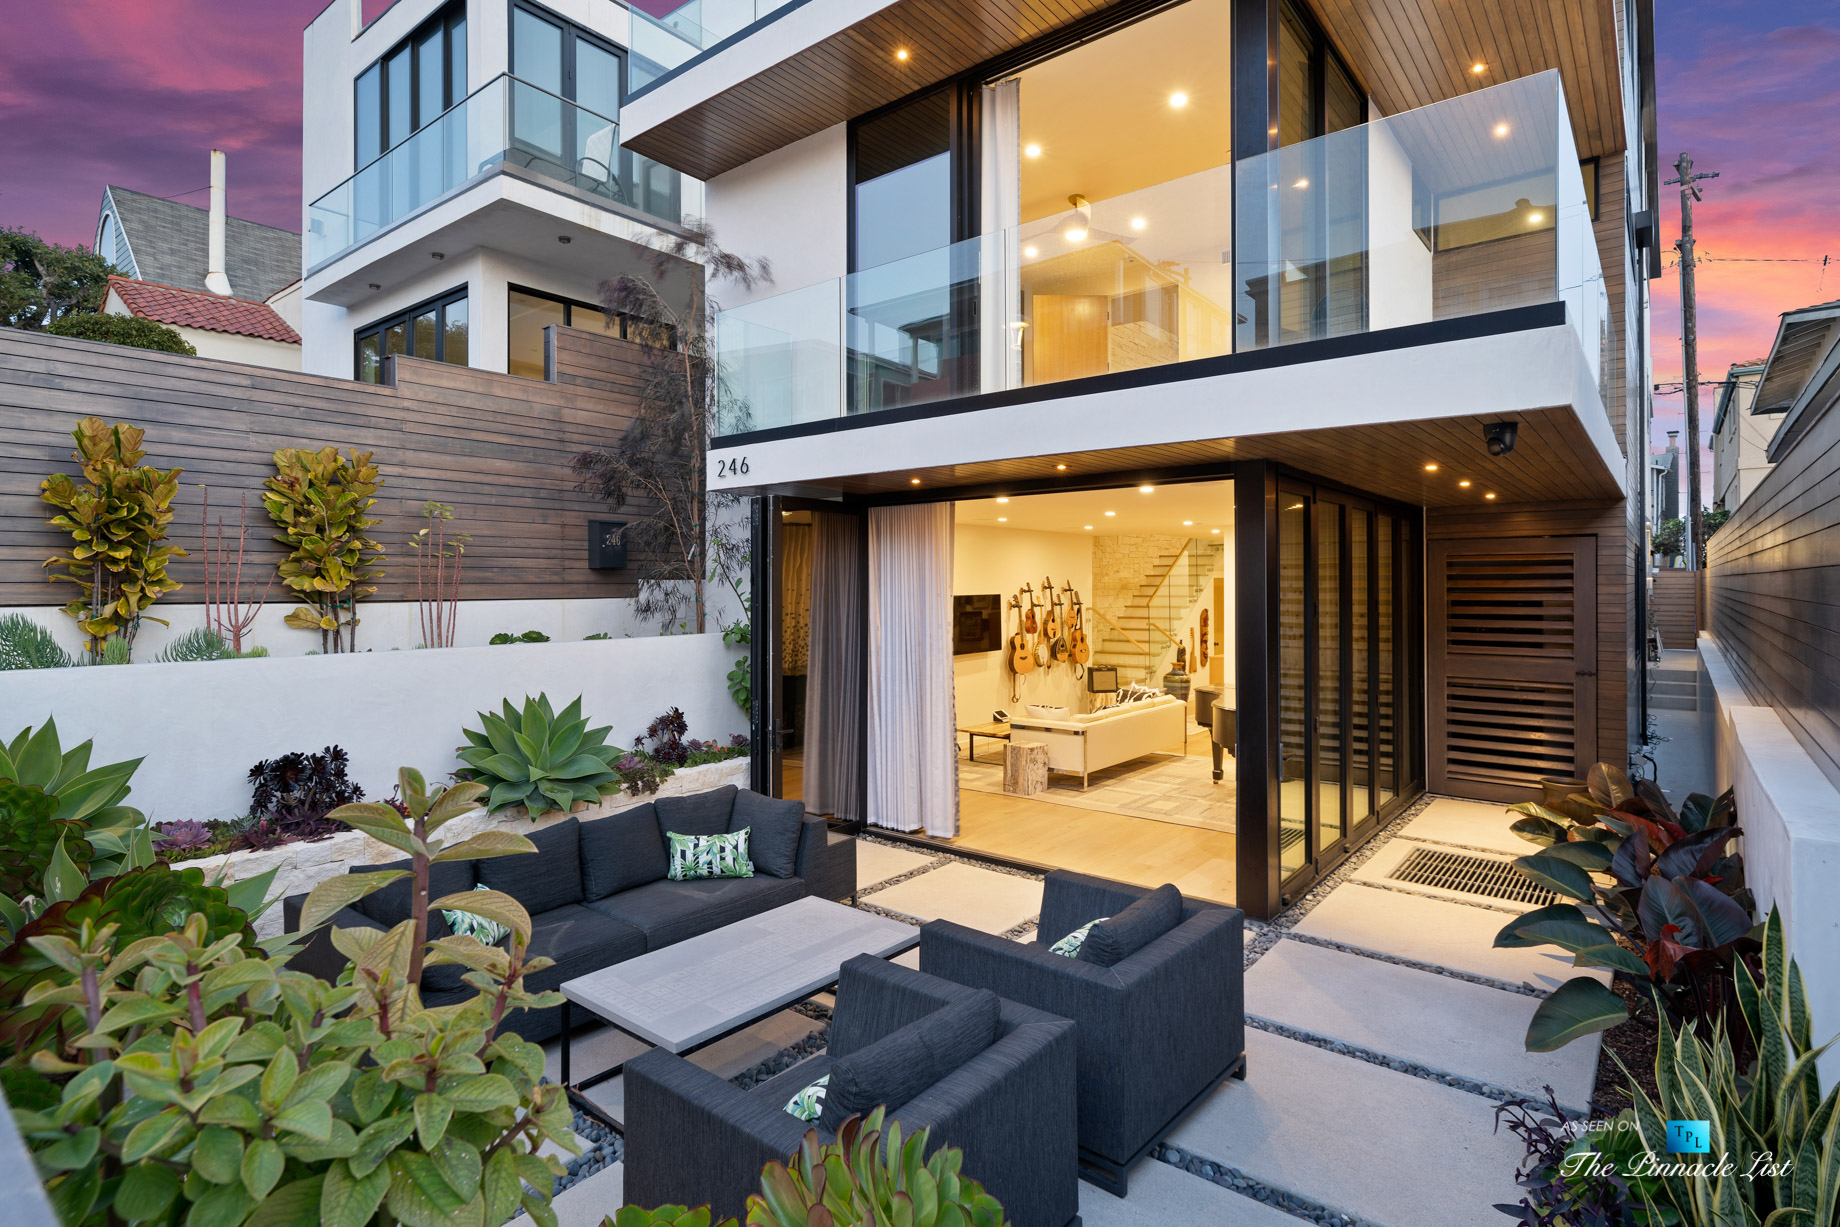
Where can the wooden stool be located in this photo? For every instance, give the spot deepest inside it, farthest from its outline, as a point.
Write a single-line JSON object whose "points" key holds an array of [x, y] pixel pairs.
{"points": [[1025, 768]]}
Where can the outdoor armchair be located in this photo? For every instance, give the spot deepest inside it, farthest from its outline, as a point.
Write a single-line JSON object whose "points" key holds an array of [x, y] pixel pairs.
{"points": [[1156, 1031]]}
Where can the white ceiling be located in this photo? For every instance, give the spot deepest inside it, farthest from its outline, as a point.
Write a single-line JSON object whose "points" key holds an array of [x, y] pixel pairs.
{"points": [[1208, 504]]}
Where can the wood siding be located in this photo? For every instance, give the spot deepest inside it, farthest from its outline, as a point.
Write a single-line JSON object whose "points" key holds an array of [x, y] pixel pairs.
{"points": [[495, 447], [1615, 614], [1513, 272], [1677, 613], [1775, 591]]}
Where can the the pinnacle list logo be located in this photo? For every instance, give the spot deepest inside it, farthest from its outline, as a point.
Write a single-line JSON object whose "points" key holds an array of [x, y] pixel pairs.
{"points": [[1689, 1137]]}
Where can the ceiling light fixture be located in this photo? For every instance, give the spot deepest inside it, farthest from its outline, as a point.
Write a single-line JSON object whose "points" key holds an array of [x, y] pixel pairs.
{"points": [[1032, 149], [1188, 524], [1478, 68], [1536, 217], [1301, 184], [913, 481], [1501, 130], [1464, 483], [1146, 489], [1061, 467], [901, 55], [1003, 498], [1491, 494], [1178, 100], [1003, 519], [1075, 234], [564, 239], [1089, 528], [1080, 223], [1216, 531], [1137, 223], [1431, 468], [1111, 513], [1031, 251]]}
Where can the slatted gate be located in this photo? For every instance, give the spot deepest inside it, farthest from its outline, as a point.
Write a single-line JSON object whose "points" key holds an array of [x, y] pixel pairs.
{"points": [[1512, 650]]}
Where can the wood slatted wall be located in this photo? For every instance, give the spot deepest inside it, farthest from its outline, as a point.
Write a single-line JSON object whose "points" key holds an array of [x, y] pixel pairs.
{"points": [[1677, 615], [1774, 588], [496, 447], [1615, 597]]}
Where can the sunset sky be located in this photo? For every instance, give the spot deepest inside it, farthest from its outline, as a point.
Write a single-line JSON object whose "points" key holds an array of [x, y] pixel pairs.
{"points": [[134, 93]]}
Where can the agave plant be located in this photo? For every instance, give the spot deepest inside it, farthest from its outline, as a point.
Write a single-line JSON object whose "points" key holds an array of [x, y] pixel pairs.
{"points": [[538, 759], [1674, 915]]}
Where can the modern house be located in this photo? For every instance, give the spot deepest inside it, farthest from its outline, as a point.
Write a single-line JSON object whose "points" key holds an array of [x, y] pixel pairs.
{"points": [[1299, 345], [229, 286], [1740, 437], [465, 184]]}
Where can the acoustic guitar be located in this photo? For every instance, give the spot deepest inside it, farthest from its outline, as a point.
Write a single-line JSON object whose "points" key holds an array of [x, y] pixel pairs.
{"points": [[1021, 657], [1203, 652], [1052, 627], [1029, 623], [1079, 650]]}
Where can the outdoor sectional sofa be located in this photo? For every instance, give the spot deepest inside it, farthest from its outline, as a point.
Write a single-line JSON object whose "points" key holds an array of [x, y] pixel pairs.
{"points": [[597, 893], [1004, 1097]]}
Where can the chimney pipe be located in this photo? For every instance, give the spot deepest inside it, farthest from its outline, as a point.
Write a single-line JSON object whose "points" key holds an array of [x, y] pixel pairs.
{"points": [[214, 278]]}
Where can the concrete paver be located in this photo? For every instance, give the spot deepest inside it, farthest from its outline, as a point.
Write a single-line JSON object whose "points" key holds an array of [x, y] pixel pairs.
{"points": [[879, 862], [1475, 824], [978, 898], [1162, 1195]]}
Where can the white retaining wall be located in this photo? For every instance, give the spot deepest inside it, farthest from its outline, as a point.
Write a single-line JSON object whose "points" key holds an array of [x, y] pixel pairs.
{"points": [[201, 726], [1790, 814]]}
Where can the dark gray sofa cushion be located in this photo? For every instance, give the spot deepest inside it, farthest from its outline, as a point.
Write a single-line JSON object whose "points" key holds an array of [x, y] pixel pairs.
{"points": [[621, 851], [1119, 937], [545, 880], [907, 1061], [581, 941], [773, 831], [700, 813], [668, 912]]}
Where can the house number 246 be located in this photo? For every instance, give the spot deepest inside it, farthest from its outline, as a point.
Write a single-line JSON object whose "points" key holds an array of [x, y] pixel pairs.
{"points": [[731, 468]]}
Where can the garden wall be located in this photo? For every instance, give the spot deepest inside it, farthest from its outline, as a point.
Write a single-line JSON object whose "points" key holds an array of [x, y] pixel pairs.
{"points": [[201, 726]]}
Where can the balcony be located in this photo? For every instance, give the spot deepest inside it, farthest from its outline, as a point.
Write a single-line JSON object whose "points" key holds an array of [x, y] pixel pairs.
{"points": [[504, 123], [1464, 207], [660, 44]]}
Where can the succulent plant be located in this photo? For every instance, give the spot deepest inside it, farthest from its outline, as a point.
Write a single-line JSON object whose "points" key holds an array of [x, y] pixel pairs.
{"points": [[294, 793], [666, 734], [182, 836], [200, 643], [538, 759], [28, 644]]}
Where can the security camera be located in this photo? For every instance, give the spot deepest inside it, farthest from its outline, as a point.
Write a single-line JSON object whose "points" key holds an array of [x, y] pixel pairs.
{"points": [[1500, 437]]}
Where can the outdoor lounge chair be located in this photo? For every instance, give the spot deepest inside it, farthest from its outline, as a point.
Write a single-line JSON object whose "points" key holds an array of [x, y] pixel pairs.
{"points": [[1157, 1030], [693, 1138]]}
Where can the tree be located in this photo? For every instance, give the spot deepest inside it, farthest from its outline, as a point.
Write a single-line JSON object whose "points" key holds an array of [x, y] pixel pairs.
{"points": [[122, 330], [658, 469], [1670, 536], [41, 283], [1713, 520]]}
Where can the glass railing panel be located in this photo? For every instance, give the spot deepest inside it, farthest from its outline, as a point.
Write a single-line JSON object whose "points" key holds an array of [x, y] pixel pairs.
{"points": [[912, 329], [780, 360], [658, 45]]}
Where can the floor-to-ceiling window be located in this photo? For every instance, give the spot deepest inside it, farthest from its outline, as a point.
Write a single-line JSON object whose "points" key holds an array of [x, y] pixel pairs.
{"points": [[529, 312], [409, 87], [437, 329]]}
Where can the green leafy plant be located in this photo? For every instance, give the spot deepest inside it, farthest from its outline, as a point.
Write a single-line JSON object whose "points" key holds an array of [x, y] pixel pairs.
{"points": [[595, 636], [868, 1177], [42, 282], [535, 758], [88, 833], [1669, 538], [1672, 915], [26, 643], [204, 1083], [117, 519], [504, 637], [1770, 1122], [123, 330], [319, 501], [198, 644]]}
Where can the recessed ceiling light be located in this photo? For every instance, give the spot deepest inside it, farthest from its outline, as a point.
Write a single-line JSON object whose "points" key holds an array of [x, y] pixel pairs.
{"points": [[1146, 489], [1075, 234], [1032, 150], [901, 55], [1501, 130], [1178, 100], [1431, 468], [1491, 494], [914, 481], [1536, 217], [564, 239], [1188, 524], [1031, 252], [1137, 223], [1003, 498], [1301, 184], [1003, 519], [1478, 68], [1295, 507], [1062, 467], [1464, 483], [1111, 513], [1089, 528], [1215, 530]]}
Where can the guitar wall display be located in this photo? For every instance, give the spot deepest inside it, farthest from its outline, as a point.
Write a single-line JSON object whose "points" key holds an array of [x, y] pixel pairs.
{"points": [[1050, 630]]}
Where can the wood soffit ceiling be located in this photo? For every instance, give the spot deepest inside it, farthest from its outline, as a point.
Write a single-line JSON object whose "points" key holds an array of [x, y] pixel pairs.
{"points": [[1408, 53]]}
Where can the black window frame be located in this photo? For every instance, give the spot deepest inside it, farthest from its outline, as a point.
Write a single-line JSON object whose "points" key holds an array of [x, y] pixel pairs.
{"points": [[406, 317], [447, 17], [570, 31], [628, 324]]}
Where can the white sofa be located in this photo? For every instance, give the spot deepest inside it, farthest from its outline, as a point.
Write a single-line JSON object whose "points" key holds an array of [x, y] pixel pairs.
{"points": [[1087, 743]]}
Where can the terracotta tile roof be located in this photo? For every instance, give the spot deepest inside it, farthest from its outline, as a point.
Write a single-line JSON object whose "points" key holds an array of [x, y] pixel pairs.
{"points": [[191, 309]]}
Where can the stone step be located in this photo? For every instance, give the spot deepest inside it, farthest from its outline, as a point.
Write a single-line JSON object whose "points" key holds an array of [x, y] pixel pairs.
{"points": [[1673, 703], [1669, 686]]}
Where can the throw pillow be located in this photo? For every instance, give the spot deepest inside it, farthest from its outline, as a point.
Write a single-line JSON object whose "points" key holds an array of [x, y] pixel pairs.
{"points": [[1119, 937], [773, 828], [709, 856], [490, 932], [901, 1064], [808, 1104], [1069, 945], [1042, 711]]}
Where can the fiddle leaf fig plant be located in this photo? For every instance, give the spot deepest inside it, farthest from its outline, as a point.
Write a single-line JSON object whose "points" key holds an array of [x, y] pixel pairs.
{"points": [[197, 1080], [117, 519], [319, 501]]}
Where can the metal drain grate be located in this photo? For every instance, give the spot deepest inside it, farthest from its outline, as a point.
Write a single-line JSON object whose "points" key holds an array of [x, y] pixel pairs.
{"points": [[1472, 875]]}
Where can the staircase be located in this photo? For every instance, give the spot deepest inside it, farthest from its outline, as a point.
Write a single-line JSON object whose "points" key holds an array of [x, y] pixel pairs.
{"points": [[1673, 684], [1133, 640]]}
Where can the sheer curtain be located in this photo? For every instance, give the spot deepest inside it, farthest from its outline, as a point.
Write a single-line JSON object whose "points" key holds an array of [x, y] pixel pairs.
{"points": [[913, 746], [834, 664], [998, 257]]}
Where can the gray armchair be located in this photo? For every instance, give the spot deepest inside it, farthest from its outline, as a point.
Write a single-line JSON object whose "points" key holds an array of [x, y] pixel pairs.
{"points": [[693, 1138], [1156, 1031]]}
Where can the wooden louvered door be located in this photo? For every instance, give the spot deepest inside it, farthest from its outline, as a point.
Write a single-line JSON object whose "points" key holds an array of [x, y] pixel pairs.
{"points": [[1512, 657]]}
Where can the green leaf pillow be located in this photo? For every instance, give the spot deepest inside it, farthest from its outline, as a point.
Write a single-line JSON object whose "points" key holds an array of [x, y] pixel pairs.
{"points": [[489, 932], [1070, 944], [709, 856], [808, 1104]]}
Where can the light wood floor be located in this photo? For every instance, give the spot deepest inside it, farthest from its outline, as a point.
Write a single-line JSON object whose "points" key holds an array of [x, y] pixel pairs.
{"points": [[1130, 849]]}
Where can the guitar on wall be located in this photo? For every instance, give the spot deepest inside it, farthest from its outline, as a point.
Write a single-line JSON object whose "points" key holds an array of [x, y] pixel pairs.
{"points": [[1021, 656], [1079, 650], [1029, 623], [1056, 636]]}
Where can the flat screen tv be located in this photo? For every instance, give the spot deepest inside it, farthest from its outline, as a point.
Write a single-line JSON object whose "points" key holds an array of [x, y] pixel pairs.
{"points": [[977, 624]]}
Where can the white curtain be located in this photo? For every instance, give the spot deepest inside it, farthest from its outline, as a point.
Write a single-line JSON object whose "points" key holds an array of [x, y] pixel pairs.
{"points": [[1000, 358], [913, 743]]}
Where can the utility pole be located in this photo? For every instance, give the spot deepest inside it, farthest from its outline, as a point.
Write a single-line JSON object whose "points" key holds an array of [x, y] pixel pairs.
{"points": [[1689, 345]]}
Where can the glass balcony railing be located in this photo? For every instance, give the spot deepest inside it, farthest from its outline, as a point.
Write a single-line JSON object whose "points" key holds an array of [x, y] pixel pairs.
{"points": [[1466, 206], [504, 122], [660, 44]]}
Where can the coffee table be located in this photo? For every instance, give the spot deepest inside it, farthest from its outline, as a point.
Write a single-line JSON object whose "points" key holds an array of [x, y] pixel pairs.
{"points": [[710, 986], [996, 728]]}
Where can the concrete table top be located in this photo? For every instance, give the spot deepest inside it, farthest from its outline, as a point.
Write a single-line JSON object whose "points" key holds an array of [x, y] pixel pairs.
{"points": [[708, 985]]}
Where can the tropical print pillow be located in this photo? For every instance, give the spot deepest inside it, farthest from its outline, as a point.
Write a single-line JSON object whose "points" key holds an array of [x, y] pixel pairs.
{"points": [[808, 1104], [465, 923], [709, 856], [1070, 944]]}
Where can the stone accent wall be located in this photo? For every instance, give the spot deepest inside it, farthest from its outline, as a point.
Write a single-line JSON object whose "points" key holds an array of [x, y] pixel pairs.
{"points": [[1121, 565], [305, 865]]}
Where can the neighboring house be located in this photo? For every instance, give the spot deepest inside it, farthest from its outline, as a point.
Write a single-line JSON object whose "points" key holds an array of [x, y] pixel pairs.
{"points": [[163, 249], [1026, 301], [1740, 437], [233, 329], [465, 186]]}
